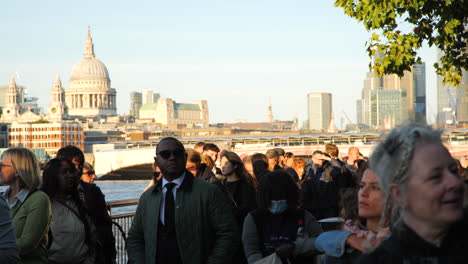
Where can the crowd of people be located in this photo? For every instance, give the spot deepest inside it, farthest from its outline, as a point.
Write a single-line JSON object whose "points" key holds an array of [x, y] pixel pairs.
{"points": [[403, 204], [54, 216]]}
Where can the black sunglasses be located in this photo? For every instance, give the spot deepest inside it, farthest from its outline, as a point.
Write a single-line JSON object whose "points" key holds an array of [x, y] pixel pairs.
{"points": [[165, 154], [89, 173]]}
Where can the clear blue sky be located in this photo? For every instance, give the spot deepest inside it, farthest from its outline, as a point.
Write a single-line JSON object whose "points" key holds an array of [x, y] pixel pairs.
{"points": [[233, 53]]}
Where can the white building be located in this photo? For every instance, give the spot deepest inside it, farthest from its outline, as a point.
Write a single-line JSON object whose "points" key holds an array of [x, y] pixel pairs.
{"points": [[319, 107], [90, 93], [167, 112]]}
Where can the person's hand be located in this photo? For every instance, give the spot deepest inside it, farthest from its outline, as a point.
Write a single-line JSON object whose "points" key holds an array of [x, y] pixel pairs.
{"points": [[323, 157], [285, 250], [381, 235]]}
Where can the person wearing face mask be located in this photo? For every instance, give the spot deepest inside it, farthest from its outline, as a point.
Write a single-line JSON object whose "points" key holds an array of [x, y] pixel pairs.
{"points": [[278, 225]]}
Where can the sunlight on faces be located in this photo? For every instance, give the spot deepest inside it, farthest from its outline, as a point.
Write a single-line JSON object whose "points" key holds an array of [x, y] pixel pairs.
{"points": [[434, 192], [212, 154], [300, 171], [317, 159], [88, 176], [227, 168], [77, 164], [192, 167], [289, 162], [370, 196], [353, 153], [249, 168], [272, 163], [7, 172]]}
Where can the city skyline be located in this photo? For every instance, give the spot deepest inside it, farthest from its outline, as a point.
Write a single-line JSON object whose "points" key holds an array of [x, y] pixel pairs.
{"points": [[218, 51]]}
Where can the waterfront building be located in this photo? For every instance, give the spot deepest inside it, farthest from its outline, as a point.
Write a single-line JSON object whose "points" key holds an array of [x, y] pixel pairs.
{"points": [[168, 112], [136, 101], [319, 110], [89, 93], [48, 136]]}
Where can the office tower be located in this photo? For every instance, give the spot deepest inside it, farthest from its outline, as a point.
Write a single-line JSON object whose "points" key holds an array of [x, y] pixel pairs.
{"points": [[319, 110], [452, 102], [419, 84], [135, 104], [359, 111], [389, 100], [150, 97]]}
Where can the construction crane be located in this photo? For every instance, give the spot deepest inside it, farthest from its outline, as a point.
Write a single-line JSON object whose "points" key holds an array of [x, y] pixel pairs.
{"points": [[349, 120]]}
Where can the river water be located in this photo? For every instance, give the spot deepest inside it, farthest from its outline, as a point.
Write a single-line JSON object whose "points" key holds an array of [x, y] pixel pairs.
{"points": [[118, 190], [122, 190]]}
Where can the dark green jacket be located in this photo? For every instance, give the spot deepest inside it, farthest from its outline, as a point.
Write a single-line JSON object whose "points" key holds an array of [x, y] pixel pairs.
{"points": [[205, 227], [31, 222]]}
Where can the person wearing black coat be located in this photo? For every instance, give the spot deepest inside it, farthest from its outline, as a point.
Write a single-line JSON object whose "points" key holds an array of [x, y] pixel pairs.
{"points": [[320, 194], [423, 198], [239, 188], [405, 246]]}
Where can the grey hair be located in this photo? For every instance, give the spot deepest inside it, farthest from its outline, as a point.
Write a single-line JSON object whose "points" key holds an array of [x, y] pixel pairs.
{"points": [[392, 158]]}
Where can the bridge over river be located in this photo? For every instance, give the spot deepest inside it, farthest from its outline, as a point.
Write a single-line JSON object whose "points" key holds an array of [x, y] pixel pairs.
{"points": [[107, 161]]}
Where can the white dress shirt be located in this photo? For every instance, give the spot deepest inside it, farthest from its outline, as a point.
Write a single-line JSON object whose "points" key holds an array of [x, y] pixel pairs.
{"points": [[178, 182]]}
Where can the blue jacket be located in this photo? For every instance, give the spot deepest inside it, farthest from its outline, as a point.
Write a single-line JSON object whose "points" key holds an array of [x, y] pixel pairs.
{"points": [[333, 244], [8, 248]]}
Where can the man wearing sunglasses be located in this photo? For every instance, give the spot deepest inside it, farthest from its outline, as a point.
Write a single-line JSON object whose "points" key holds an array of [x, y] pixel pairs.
{"points": [[181, 219]]}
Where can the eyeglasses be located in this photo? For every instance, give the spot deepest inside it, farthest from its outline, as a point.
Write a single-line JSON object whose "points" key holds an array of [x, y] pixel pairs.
{"points": [[165, 154], [89, 173]]}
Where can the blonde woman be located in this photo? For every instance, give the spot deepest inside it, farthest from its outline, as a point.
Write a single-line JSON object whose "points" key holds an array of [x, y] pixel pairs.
{"points": [[30, 208]]}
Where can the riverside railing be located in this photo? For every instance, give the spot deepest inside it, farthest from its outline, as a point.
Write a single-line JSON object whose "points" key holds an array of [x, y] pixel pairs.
{"points": [[122, 213]]}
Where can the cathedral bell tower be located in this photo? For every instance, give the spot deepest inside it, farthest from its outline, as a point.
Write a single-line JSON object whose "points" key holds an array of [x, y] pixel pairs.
{"points": [[57, 107], [11, 110]]}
